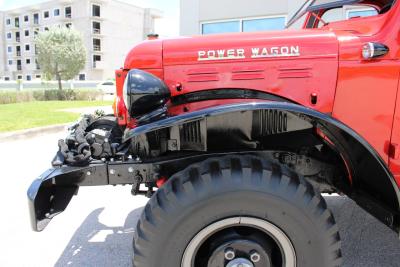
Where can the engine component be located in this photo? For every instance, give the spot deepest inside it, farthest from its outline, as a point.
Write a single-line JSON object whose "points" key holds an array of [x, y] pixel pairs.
{"points": [[90, 137]]}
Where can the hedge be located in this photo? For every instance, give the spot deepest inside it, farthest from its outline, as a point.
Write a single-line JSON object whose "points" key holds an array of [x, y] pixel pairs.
{"points": [[9, 97]]}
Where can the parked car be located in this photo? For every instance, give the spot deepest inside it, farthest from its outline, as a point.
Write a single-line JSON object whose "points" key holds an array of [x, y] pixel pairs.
{"points": [[108, 87]]}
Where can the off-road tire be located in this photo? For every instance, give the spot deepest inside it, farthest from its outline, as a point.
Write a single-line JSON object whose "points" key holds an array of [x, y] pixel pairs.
{"points": [[221, 188]]}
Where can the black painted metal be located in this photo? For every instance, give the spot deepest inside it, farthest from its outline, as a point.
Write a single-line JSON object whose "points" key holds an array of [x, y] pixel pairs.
{"points": [[145, 92], [226, 93], [370, 173]]}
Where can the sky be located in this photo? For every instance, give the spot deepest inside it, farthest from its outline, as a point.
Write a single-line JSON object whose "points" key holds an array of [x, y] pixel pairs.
{"points": [[168, 26]]}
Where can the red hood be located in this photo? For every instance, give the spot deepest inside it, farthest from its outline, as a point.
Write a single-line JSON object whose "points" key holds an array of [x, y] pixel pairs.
{"points": [[290, 64], [196, 50]]}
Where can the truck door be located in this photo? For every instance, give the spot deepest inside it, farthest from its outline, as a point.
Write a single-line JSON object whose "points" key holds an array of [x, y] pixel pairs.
{"points": [[394, 146]]}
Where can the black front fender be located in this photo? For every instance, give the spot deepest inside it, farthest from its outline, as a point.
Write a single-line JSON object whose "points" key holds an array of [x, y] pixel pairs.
{"points": [[370, 174]]}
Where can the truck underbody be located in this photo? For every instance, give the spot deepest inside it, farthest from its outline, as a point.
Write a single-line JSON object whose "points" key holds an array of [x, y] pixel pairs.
{"points": [[307, 142]]}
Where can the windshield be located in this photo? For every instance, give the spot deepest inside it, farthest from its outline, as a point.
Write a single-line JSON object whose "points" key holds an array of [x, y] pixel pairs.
{"points": [[315, 5], [299, 13]]}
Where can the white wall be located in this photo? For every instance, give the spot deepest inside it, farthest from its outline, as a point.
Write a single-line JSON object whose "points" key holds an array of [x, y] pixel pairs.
{"points": [[193, 12]]}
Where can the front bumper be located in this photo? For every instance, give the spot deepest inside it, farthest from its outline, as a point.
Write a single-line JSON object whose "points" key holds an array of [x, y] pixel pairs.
{"points": [[52, 191]]}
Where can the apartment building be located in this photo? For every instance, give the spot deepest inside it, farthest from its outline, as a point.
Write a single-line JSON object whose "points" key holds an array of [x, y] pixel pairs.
{"points": [[110, 28], [210, 16]]}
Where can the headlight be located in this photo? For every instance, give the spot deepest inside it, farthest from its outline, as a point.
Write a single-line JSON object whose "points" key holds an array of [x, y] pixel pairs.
{"points": [[144, 92], [125, 92]]}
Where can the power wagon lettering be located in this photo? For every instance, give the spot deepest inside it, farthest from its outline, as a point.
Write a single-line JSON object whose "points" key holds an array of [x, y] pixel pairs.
{"points": [[257, 52]]}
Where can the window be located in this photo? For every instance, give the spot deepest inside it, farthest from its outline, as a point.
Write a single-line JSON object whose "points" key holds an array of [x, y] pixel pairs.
{"points": [[244, 25], [16, 22], [361, 13], [38, 76], [26, 18], [96, 58], [37, 64], [28, 61], [56, 12], [68, 12], [27, 47], [17, 37], [96, 27], [26, 33], [108, 83], [7, 78], [8, 21], [82, 77], [46, 14], [95, 11], [96, 45], [266, 24], [36, 32], [19, 77], [36, 18], [29, 77], [221, 27], [10, 62], [9, 35], [46, 28], [68, 25], [18, 48], [19, 66], [9, 49]]}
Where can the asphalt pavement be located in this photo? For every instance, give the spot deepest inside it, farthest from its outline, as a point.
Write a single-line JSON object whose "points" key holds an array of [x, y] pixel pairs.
{"points": [[98, 225]]}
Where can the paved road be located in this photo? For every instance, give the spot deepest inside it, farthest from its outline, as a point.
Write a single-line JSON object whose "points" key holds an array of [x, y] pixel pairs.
{"points": [[97, 227]]}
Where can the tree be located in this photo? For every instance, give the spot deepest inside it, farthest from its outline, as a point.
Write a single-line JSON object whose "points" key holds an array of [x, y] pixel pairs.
{"points": [[61, 53]]}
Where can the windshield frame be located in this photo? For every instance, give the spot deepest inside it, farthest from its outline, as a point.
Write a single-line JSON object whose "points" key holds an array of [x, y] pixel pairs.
{"points": [[309, 6]]}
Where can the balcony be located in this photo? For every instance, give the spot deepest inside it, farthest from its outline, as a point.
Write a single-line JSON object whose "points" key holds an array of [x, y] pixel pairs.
{"points": [[19, 67], [18, 53], [18, 39], [30, 67], [96, 31], [12, 67], [99, 65], [97, 48]]}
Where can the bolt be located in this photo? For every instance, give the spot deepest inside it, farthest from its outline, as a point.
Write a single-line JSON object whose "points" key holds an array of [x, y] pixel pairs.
{"points": [[229, 254], [88, 173], [112, 171], [130, 169], [254, 256]]}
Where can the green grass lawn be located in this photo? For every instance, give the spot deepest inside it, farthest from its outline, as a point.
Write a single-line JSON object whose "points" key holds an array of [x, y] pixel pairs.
{"points": [[36, 114]]}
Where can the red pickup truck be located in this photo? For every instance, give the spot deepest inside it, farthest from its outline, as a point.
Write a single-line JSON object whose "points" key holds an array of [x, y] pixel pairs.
{"points": [[235, 137]]}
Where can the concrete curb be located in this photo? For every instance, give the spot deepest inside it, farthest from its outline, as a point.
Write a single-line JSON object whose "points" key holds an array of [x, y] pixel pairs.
{"points": [[33, 132]]}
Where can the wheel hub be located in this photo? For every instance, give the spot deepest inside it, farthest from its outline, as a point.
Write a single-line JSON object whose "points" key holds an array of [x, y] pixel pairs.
{"points": [[240, 262], [242, 251], [240, 242]]}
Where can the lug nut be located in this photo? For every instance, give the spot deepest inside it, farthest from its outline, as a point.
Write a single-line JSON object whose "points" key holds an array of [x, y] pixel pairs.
{"points": [[88, 173], [255, 256], [130, 169], [229, 254]]}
